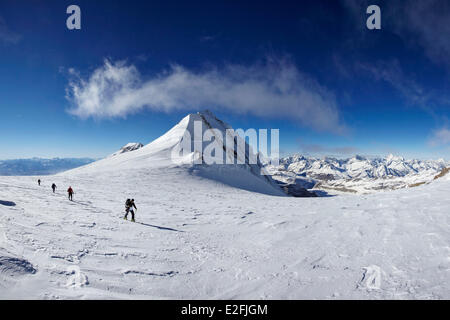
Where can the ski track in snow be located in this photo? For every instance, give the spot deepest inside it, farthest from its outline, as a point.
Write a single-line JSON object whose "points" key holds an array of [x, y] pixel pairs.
{"points": [[199, 239]]}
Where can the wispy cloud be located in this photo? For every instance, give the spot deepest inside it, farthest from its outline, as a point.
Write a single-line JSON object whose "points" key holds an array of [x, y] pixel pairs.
{"points": [[322, 149], [6, 35], [440, 137], [426, 23], [274, 89], [392, 73], [208, 38], [423, 23]]}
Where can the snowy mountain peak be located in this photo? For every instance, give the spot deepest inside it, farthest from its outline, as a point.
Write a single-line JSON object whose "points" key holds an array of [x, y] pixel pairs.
{"points": [[391, 158], [187, 146], [132, 146], [207, 113], [210, 118]]}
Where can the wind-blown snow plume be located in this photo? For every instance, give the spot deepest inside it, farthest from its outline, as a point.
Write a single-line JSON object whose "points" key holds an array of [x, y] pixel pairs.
{"points": [[276, 89]]}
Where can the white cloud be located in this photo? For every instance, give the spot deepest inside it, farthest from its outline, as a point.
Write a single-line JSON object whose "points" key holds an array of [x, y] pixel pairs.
{"points": [[276, 89], [323, 149], [426, 23], [422, 23], [440, 137]]}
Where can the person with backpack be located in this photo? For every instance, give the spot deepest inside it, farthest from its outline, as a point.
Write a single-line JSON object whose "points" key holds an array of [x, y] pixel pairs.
{"points": [[39, 182], [129, 205], [54, 187], [70, 192]]}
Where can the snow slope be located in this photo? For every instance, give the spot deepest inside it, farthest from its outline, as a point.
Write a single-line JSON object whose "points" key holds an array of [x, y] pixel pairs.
{"points": [[200, 239]]}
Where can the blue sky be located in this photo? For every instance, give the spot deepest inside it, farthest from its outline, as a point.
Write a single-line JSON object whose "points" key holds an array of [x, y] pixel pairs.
{"points": [[310, 68]]}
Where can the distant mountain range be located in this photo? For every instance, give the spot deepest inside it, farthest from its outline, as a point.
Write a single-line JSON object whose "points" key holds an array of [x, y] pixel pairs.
{"points": [[38, 166], [357, 174], [359, 167]]}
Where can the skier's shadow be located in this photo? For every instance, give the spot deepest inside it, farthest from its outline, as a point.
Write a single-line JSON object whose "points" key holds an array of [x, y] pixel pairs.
{"points": [[82, 203], [160, 228]]}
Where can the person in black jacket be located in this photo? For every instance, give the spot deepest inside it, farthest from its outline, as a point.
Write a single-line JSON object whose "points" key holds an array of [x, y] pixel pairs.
{"points": [[129, 205]]}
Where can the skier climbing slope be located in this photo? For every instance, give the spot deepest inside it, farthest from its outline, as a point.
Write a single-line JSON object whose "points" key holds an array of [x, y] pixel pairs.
{"points": [[70, 192], [129, 205]]}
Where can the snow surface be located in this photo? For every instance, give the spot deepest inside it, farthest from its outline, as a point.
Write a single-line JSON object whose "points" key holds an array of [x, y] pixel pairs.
{"points": [[215, 232], [200, 239]]}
